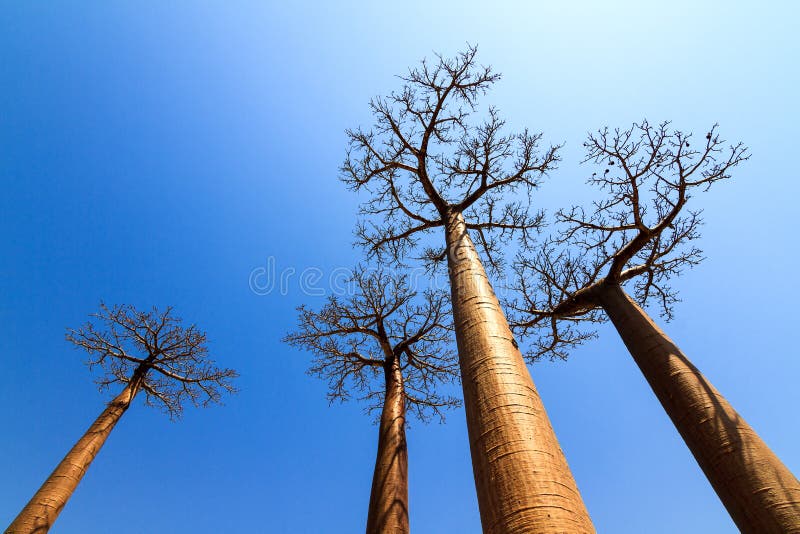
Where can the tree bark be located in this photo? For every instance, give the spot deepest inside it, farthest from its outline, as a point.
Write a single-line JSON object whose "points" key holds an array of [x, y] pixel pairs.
{"points": [[760, 493], [388, 502], [522, 478], [43, 509]]}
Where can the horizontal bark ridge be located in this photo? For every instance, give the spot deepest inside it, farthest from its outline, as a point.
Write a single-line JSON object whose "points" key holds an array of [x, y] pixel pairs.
{"points": [[758, 490], [522, 478]]}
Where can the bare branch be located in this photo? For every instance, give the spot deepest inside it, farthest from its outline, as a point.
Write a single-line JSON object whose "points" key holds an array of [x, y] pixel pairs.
{"points": [[639, 232], [426, 155], [356, 340], [168, 361]]}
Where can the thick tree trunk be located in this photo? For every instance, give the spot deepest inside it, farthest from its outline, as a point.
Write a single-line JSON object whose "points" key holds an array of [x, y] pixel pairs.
{"points": [[522, 478], [760, 493], [388, 502], [43, 509]]}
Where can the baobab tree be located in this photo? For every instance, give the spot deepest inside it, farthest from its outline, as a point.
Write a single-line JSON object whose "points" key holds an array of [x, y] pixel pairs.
{"points": [[640, 235], [144, 351], [429, 164], [391, 346]]}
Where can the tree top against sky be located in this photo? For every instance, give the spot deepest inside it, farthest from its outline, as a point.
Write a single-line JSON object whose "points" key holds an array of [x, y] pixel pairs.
{"points": [[356, 338], [431, 153], [640, 230], [168, 361]]}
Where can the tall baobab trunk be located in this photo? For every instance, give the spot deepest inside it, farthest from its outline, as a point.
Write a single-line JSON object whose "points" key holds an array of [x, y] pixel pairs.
{"points": [[388, 502], [760, 493], [522, 478], [43, 508]]}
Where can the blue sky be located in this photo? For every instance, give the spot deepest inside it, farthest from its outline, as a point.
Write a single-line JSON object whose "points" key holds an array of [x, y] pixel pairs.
{"points": [[157, 154]]}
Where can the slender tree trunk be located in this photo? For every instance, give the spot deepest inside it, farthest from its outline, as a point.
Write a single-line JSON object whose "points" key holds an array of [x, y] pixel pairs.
{"points": [[43, 509], [522, 478], [760, 493], [388, 502]]}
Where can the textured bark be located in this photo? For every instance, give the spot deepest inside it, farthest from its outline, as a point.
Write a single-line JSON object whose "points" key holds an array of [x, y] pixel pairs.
{"points": [[522, 478], [760, 493], [388, 502], [43, 509]]}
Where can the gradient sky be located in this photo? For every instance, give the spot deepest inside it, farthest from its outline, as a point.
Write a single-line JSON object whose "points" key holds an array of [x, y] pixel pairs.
{"points": [[157, 154]]}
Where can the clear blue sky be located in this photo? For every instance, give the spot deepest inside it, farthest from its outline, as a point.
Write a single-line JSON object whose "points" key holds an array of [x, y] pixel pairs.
{"points": [[154, 154]]}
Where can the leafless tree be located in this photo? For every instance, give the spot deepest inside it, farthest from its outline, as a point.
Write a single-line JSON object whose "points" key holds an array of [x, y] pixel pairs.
{"points": [[641, 234], [149, 351], [428, 158], [432, 161], [392, 347], [152, 348]]}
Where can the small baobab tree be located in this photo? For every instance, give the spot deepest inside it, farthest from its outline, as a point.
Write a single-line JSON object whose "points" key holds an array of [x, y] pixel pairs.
{"points": [[144, 351], [392, 347], [429, 165], [640, 235]]}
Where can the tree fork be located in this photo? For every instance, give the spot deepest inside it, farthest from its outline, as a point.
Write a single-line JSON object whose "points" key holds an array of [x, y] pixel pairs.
{"points": [[523, 481], [758, 490]]}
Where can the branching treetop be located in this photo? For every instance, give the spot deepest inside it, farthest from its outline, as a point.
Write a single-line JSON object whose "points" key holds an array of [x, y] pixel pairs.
{"points": [[356, 340], [153, 350], [426, 157], [640, 231]]}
